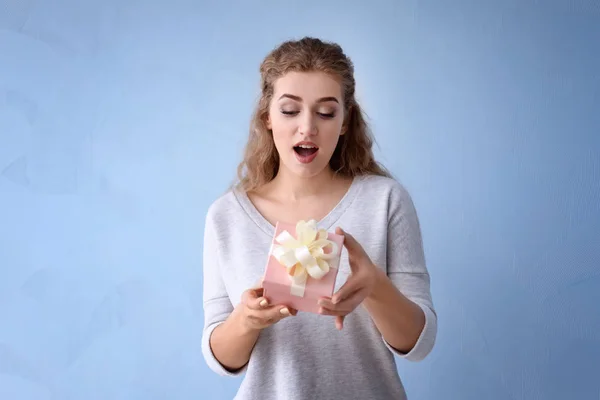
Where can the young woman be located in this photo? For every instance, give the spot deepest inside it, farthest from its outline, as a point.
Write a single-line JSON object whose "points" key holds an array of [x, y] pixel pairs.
{"points": [[309, 157]]}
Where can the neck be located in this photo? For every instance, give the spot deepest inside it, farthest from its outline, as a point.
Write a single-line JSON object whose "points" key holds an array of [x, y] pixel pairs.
{"points": [[293, 187]]}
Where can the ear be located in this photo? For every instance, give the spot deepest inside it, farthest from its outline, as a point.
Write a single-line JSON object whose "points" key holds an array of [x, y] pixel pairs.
{"points": [[345, 126], [346, 121], [268, 122]]}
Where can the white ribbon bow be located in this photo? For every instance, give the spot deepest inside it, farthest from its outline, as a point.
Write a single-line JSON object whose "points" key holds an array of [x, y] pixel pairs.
{"points": [[304, 255]]}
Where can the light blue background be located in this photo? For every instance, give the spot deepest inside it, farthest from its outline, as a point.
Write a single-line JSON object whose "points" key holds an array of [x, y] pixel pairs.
{"points": [[121, 121]]}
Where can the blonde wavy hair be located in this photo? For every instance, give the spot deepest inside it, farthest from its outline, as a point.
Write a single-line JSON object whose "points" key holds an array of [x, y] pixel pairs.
{"points": [[353, 155]]}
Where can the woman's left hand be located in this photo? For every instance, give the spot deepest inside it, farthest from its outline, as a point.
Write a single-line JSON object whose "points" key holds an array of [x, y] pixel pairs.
{"points": [[357, 288]]}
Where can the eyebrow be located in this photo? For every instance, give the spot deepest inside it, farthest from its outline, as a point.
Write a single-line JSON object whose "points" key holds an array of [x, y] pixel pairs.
{"points": [[321, 100]]}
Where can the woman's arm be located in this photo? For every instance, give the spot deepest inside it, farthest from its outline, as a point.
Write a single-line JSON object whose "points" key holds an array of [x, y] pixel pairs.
{"points": [[231, 342], [399, 320], [220, 323], [397, 297], [230, 334], [400, 303]]}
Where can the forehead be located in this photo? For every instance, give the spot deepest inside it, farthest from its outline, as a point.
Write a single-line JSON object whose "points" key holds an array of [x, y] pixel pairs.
{"points": [[308, 85]]}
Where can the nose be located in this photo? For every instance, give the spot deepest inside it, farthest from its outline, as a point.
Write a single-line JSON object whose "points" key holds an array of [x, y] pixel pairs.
{"points": [[308, 125]]}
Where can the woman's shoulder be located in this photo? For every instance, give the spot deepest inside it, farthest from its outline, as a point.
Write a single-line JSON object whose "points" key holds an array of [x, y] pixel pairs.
{"points": [[385, 193], [226, 205], [384, 185]]}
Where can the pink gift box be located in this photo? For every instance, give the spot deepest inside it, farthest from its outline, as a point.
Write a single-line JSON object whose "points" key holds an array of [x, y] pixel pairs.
{"points": [[277, 283]]}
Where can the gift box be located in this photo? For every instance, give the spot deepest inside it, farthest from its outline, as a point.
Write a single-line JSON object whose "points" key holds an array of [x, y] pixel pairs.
{"points": [[302, 265]]}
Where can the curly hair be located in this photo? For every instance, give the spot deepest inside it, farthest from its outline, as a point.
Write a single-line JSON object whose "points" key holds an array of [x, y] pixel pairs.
{"points": [[353, 154]]}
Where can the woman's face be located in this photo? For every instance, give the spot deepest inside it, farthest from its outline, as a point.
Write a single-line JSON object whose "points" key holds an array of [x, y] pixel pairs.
{"points": [[306, 117]]}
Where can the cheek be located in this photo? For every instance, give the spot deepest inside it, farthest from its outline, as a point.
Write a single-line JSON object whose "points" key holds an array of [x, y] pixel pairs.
{"points": [[281, 125], [330, 132], [282, 130]]}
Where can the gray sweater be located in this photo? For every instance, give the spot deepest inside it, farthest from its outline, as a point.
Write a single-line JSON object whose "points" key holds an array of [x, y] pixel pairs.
{"points": [[355, 363]]}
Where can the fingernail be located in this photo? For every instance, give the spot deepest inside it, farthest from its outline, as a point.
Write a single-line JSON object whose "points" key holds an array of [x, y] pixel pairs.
{"points": [[284, 311], [264, 302]]}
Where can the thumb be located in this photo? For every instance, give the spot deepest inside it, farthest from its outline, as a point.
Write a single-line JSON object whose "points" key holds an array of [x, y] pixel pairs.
{"points": [[339, 322], [354, 248]]}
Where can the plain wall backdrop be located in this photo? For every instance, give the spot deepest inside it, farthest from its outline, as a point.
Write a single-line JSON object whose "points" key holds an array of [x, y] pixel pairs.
{"points": [[121, 121]]}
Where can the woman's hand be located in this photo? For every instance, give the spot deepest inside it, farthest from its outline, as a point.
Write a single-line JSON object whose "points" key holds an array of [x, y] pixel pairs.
{"points": [[255, 313], [232, 341], [357, 288]]}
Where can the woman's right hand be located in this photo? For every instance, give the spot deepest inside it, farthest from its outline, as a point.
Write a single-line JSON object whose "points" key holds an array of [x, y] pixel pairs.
{"points": [[232, 341], [257, 313]]}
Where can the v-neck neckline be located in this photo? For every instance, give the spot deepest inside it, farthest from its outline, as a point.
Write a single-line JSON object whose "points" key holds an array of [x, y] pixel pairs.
{"points": [[326, 222]]}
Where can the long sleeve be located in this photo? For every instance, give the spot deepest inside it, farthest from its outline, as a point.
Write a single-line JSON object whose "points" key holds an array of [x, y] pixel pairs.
{"points": [[407, 269], [217, 305]]}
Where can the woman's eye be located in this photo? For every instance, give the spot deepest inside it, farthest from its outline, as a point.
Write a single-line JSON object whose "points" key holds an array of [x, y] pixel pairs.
{"points": [[321, 114], [327, 115]]}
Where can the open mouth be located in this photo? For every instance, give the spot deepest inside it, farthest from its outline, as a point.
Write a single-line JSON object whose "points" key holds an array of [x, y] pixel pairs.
{"points": [[305, 150]]}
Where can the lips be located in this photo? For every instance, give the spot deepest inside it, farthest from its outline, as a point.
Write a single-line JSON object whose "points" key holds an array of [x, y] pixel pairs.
{"points": [[306, 151]]}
